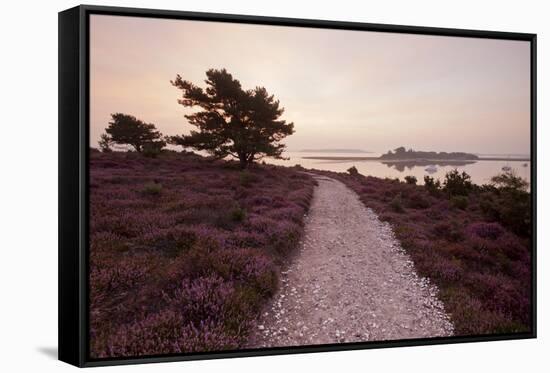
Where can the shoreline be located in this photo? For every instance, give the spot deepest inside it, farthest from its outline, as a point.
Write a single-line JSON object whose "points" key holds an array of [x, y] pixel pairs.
{"points": [[416, 159]]}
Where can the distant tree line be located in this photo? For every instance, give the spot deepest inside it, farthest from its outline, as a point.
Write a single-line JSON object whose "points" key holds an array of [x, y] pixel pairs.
{"points": [[401, 153]]}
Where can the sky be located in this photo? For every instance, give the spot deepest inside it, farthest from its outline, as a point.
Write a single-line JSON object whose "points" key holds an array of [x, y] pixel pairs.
{"points": [[342, 89]]}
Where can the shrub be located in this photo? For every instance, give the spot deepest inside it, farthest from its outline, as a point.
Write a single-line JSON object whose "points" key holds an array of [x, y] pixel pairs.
{"points": [[247, 178], [509, 180], [238, 214], [411, 179], [353, 171], [171, 241], [152, 189], [510, 207], [153, 149], [417, 201], [459, 202], [397, 203], [105, 143], [507, 201], [448, 270], [457, 184], [485, 230], [451, 232], [432, 185]]}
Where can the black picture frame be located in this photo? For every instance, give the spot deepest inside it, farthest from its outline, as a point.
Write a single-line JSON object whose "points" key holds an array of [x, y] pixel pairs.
{"points": [[74, 179]]}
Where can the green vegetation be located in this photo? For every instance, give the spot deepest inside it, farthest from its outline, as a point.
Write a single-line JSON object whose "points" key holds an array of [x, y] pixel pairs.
{"points": [[126, 129], [457, 184], [397, 203], [401, 153], [459, 202], [233, 122], [152, 189], [411, 180], [353, 171]]}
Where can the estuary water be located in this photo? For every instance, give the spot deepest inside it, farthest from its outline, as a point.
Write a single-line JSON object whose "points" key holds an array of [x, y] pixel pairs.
{"points": [[481, 171]]}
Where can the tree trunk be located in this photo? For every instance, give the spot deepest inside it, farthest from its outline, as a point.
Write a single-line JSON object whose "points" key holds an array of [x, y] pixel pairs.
{"points": [[243, 161]]}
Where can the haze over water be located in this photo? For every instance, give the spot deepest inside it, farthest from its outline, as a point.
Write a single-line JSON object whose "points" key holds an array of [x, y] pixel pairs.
{"points": [[480, 171]]}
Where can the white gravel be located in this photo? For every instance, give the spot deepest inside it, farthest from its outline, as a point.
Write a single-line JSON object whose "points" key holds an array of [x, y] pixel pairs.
{"points": [[350, 282]]}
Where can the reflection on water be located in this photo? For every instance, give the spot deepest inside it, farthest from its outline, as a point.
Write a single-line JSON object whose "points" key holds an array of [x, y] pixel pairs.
{"points": [[430, 167], [480, 171]]}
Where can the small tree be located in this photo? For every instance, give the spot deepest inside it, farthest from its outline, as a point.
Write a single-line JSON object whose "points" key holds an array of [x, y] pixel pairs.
{"points": [[128, 130], [457, 184], [508, 201], [509, 180], [105, 143], [353, 171], [244, 124], [409, 179], [431, 185]]}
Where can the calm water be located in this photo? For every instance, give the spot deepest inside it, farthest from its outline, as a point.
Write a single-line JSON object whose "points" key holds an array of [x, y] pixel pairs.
{"points": [[480, 171]]}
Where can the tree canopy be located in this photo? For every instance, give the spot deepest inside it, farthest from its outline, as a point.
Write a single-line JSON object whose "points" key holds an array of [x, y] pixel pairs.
{"points": [[128, 130], [105, 143], [244, 124]]}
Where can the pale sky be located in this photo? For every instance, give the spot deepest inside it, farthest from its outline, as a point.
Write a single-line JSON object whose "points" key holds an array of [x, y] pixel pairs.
{"points": [[342, 89]]}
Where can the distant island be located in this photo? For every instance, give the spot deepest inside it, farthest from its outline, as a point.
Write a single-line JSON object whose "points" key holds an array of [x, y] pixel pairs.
{"points": [[403, 154], [333, 151]]}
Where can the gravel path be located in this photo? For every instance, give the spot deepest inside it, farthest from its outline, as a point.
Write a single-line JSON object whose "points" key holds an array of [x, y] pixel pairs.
{"points": [[350, 282]]}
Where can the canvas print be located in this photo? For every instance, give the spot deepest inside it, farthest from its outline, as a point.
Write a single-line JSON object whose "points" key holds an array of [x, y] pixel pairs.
{"points": [[258, 186]]}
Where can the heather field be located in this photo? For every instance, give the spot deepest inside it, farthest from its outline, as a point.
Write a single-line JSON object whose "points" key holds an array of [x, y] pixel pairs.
{"points": [[239, 203], [184, 251], [472, 241]]}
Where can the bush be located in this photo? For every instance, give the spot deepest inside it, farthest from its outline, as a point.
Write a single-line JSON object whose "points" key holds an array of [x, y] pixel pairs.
{"points": [[353, 171], [510, 207], [457, 184], [491, 231], [105, 143], [509, 180], [246, 178], [507, 201], [452, 232], [153, 149], [238, 214], [418, 201], [152, 189], [411, 179], [397, 203], [459, 202], [431, 185]]}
